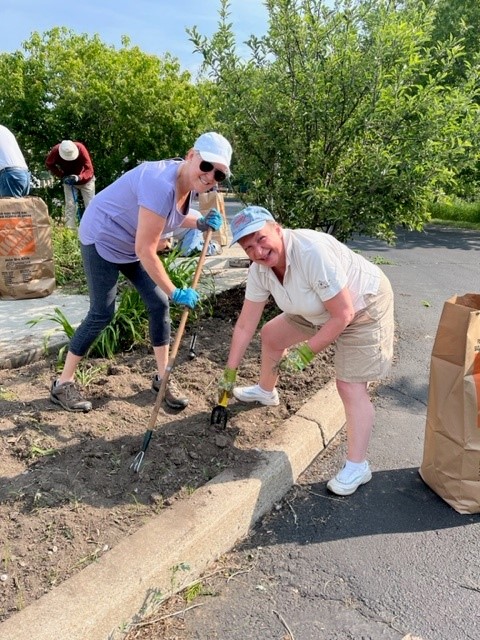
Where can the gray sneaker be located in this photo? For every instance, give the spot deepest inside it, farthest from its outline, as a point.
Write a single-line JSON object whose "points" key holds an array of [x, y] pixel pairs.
{"points": [[68, 396], [174, 397]]}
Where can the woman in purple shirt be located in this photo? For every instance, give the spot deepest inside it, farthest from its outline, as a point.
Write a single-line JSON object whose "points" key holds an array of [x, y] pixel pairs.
{"points": [[120, 232]]}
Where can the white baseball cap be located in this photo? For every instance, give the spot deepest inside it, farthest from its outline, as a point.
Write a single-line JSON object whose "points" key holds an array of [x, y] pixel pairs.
{"points": [[68, 150], [213, 147]]}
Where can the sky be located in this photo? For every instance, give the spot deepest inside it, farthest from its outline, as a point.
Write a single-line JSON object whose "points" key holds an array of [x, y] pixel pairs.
{"points": [[156, 26]]}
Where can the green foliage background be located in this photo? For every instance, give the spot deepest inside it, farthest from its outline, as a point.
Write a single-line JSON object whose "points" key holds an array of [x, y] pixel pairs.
{"points": [[126, 106], [350, 116]]}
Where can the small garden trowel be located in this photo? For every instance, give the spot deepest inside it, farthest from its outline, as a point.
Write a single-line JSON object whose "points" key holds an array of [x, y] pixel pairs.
{"points": [[220, 413]]}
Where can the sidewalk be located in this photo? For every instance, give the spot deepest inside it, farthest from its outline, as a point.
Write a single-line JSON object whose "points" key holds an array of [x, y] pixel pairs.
{"points": [[21, 343]]}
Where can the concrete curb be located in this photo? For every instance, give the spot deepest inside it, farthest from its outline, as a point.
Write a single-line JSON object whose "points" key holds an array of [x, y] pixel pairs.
{"points": [[26, 351], [178, 545], [20, 343]]}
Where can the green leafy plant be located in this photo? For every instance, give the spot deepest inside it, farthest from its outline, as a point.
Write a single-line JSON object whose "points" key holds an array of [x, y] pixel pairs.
{"points": [[69, 271], [188, 490], [129, 327], [86, 373], [193, 591], [181, 272], [39, 452], [58, 317], [380, 260]]}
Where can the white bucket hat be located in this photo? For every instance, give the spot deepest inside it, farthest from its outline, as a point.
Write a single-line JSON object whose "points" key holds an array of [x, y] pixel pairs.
{"points": [[68, 150]]}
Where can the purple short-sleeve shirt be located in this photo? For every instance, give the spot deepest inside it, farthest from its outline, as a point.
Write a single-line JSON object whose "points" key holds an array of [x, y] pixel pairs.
{"points": [[111, 219]]}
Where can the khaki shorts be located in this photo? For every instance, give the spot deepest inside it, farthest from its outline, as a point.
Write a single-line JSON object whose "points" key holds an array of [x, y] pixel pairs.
{"points": [[364, 350]]}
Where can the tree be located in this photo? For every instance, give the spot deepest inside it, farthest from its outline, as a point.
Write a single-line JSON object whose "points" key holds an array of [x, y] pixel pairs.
{"points": [[459, 21], [337, 119], [125, 105]]}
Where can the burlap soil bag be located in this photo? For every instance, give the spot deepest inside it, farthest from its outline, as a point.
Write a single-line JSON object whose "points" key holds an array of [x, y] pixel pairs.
{"points": [[215, 200], [26, 254], [451, 457]]}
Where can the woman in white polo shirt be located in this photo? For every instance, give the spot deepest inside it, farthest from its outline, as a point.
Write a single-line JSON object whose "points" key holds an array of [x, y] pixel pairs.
{"points": [[327, 294]]}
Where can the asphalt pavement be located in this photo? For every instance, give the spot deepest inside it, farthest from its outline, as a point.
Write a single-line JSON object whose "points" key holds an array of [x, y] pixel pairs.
{"points": [[393, 560]]}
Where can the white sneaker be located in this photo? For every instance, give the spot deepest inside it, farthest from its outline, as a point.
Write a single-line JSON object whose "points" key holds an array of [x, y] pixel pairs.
{"points": [[347, 482], [257, 394]]}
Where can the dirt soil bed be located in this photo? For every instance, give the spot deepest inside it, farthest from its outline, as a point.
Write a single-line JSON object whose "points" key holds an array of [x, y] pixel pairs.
{"points": [[67, 493]]}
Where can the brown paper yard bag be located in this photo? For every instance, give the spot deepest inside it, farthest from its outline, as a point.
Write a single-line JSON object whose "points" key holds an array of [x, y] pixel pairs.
{"points": [[26, 253], [215, 200], [451, 457]]}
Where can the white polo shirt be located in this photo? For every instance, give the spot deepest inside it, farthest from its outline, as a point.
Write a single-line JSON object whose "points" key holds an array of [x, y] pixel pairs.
{"points": [[318, 268]]}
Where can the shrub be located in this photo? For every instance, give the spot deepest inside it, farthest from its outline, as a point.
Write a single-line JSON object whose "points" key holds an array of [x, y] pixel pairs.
{"points": [[68, 260], [457, 211]]}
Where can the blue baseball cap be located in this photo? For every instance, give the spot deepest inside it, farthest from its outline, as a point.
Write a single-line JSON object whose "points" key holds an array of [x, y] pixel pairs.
{"points": [[248, 221]]}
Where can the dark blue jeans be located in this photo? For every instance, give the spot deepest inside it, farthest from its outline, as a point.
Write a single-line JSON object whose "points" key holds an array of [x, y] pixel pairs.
{"points": [[102, 278]]}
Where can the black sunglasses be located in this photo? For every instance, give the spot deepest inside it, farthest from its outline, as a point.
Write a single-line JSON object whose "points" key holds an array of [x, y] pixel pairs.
{"points": [[206, 167]]}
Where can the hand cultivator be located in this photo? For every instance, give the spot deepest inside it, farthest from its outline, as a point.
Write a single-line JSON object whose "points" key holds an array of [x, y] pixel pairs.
{"points": [[220, 413]]}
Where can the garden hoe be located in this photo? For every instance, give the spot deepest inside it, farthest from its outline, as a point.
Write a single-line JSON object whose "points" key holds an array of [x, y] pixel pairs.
{"points": [[137, 462], [219, 413]]}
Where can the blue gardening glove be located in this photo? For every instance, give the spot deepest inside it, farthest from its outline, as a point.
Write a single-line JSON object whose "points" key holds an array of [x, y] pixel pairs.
{"points": [[70, 179], [227, 382], [188, 297], [213, 219], [296, 359]]}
